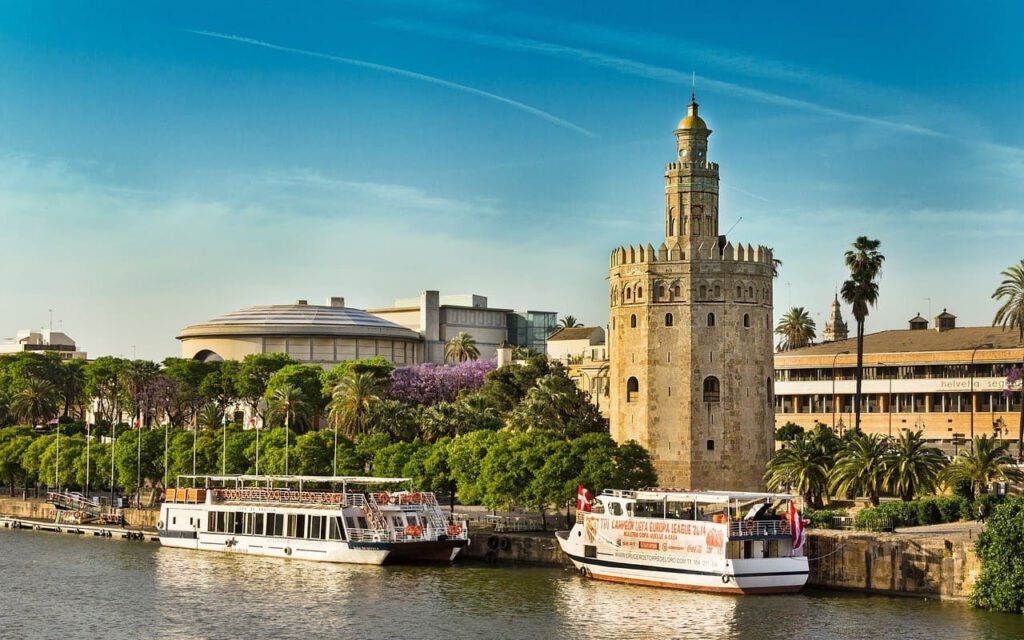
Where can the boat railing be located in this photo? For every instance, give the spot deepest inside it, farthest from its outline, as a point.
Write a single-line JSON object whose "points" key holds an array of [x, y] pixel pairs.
{"points": [[740, 529], [185, 496], [289, 496]]}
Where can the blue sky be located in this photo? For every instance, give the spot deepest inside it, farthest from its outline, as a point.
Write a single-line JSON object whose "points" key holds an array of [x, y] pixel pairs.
{"points": [[162, 165]]}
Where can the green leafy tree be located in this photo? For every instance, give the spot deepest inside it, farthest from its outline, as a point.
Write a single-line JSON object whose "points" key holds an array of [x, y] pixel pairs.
{"points": [[788, 432], [1000, 547], [36, 401], [1010, 315], [861, 291], [219, 384], [505, 387], [390, 461], [557, 404], [366, 447], [986, 461], [353, 403], [183, 383], [912, 466], [70, 450], [103, 381], [253, 376], [92, 467], [11, 451], [461, 348], [464, 456], [30, 460], [137, 376], [289, 403], [312, 454], [861, 468], [72, 387], [399, 420], [130, 444], [306, 378], [379, 368], [796, 329]]}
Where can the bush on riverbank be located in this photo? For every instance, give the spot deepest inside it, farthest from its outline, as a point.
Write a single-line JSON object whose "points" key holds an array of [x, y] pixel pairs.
{"points": [[822, 518], [923, 511], [1000, 547]]}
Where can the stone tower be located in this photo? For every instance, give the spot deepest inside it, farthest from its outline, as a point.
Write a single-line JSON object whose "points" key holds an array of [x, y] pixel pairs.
{"points": [[691, 367], [835, 328]]}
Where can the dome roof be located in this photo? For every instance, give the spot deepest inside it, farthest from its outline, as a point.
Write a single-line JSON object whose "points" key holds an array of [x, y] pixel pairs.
{"points": [[299, 319], [692, 120]]}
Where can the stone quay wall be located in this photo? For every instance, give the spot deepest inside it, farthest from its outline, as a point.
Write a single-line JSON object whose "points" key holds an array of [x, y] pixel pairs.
{"points": [[37, 509]]}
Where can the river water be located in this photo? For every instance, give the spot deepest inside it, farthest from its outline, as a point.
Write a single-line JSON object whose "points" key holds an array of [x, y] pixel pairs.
{"points": [[62, 586]]}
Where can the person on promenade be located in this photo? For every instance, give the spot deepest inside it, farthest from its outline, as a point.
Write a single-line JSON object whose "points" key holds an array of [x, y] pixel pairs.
{"points": [[981, 513]]}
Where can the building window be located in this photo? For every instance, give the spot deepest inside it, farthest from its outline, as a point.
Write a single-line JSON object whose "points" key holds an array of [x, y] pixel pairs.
{"points": [[746, 320], [718, 292], [632, 389], [661, 293], [632, 321], [712, 389], [639, 292], [711, 445], [629, 294], [703, 292], [711, 319], [668, 319], [739, 292], [675, 291]]}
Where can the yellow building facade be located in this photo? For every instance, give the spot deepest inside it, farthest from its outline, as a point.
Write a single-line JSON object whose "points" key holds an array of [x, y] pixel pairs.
{"points": [[690, 336], [947, 382]]}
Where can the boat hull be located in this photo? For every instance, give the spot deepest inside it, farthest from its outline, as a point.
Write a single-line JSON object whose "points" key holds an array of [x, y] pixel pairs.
{"points": [[735, 577]]}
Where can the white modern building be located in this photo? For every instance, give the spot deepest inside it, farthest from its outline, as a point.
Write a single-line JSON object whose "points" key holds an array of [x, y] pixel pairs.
{"points": [[42, 341]]}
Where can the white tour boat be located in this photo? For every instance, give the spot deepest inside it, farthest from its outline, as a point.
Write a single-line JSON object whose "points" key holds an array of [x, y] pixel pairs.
{"points": [[717, 541], [280, 516]]}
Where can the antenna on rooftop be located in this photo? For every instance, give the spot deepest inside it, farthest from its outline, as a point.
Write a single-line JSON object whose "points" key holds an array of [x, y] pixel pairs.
{"points": [[51, 319]]}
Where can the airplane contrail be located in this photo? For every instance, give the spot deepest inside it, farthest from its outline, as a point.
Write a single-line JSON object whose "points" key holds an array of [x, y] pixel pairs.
{"points": [[405, 73]]}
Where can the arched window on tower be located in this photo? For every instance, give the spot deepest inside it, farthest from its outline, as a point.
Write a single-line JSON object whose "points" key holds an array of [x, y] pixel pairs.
{"points": [[661, 292], [711, 319], [629, 294], [632, 321], [739, 292], [671, 225], [703, 292], [632, 389], [668, 319], [675, 291], [718, 292], [639, 292], [712, 389], [746, 320]]}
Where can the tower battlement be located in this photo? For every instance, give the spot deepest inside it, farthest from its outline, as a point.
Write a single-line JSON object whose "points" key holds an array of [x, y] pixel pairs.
{"points": [[706, 252], [690, 166]]}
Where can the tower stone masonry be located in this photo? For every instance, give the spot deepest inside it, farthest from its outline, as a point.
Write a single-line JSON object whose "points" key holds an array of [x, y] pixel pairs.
{"points": [[690, 342]]}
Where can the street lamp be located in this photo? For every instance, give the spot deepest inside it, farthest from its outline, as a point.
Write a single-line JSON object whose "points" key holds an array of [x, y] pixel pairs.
{"points": [[888, 401], [834, 387], [987, 345]]}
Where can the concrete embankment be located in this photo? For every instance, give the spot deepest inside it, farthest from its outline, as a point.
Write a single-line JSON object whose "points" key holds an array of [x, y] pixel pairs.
{"points": [[37, 509], [523, 548]]}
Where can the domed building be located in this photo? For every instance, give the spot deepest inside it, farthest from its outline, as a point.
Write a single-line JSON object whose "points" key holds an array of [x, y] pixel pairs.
{"points": [[314, 334]]}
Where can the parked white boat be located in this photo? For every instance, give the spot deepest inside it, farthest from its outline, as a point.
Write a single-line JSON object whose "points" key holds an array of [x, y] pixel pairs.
{"points": [[357, 521], [717, 541]]}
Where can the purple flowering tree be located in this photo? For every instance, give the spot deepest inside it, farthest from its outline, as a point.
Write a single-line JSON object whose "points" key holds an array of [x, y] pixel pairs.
{"points": [[428, 384]]}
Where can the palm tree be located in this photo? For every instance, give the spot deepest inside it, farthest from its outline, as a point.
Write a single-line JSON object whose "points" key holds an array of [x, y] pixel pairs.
{"points": [[290, 402], [796, 329], [353, 401], [1010, 315], [861, 291], [211, 416], [801, 466], [461, 348], [986, 461], [568, 322], [861, 467], [36, 402], [912, 466]]}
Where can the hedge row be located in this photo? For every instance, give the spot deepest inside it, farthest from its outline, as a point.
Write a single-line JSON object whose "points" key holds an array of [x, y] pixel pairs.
{"points": [[923, 511]]}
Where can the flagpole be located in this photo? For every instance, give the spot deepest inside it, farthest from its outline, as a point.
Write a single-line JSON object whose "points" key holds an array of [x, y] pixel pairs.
{"points": [[224, 454]]}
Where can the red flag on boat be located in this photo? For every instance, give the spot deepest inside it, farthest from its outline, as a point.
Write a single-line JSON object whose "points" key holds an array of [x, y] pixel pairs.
{"points": [[584, 499], [796, 529]]}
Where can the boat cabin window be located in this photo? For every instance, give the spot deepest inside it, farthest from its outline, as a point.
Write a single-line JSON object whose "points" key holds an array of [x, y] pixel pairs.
{"points": [[362, 523], [615, 508], [316, 527], [413, 520], [349, 522], [397, 522], [258, 523], [337, 531]]}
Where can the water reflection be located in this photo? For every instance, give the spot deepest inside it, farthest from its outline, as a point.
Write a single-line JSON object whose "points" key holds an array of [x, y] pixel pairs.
{"points": [[64, 586]]}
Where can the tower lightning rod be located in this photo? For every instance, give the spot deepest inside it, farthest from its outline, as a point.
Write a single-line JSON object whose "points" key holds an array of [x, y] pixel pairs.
{"points": [[693, 88], [733, 226]]}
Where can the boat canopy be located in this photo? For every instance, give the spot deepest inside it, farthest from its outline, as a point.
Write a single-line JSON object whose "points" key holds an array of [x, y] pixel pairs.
{"points": [[239, 478], [701, 497]]}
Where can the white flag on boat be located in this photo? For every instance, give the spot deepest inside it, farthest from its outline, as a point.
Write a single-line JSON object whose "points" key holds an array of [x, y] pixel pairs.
{"points": [[796, 530]]}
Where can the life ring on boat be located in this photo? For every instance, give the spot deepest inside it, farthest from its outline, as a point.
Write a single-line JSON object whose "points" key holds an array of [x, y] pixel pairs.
{"points": [[748, 526], [414, 498], [382, 498], [506, 544], [454, 530], [725, 578], [287, 551], [414, 531], [492, 543], [160, 525]]}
